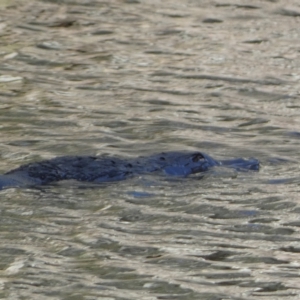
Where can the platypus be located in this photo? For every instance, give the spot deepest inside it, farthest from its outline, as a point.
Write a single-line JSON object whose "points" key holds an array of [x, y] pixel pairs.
{"points": [[103, 168]]}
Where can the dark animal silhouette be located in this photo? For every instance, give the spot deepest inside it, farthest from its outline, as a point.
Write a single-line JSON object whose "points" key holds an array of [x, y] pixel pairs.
{"points": [[99, 169]]}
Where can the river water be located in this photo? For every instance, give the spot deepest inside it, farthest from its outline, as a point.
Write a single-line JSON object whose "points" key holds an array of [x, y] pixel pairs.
{"points": [[136, 77]]}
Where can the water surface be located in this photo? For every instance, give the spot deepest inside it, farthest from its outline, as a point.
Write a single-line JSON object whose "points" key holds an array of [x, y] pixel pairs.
{"points": [[137, 77]]}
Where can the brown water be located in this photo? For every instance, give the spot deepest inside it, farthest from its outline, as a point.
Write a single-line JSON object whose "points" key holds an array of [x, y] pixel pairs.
{"points": [[135, 77]]}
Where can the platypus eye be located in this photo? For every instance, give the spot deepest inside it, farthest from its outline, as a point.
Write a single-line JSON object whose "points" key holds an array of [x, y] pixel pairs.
{"points": [[196, 157]]}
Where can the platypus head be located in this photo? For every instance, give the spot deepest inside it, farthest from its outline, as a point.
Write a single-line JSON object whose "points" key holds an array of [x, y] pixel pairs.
{"points": [[190, 163]]}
